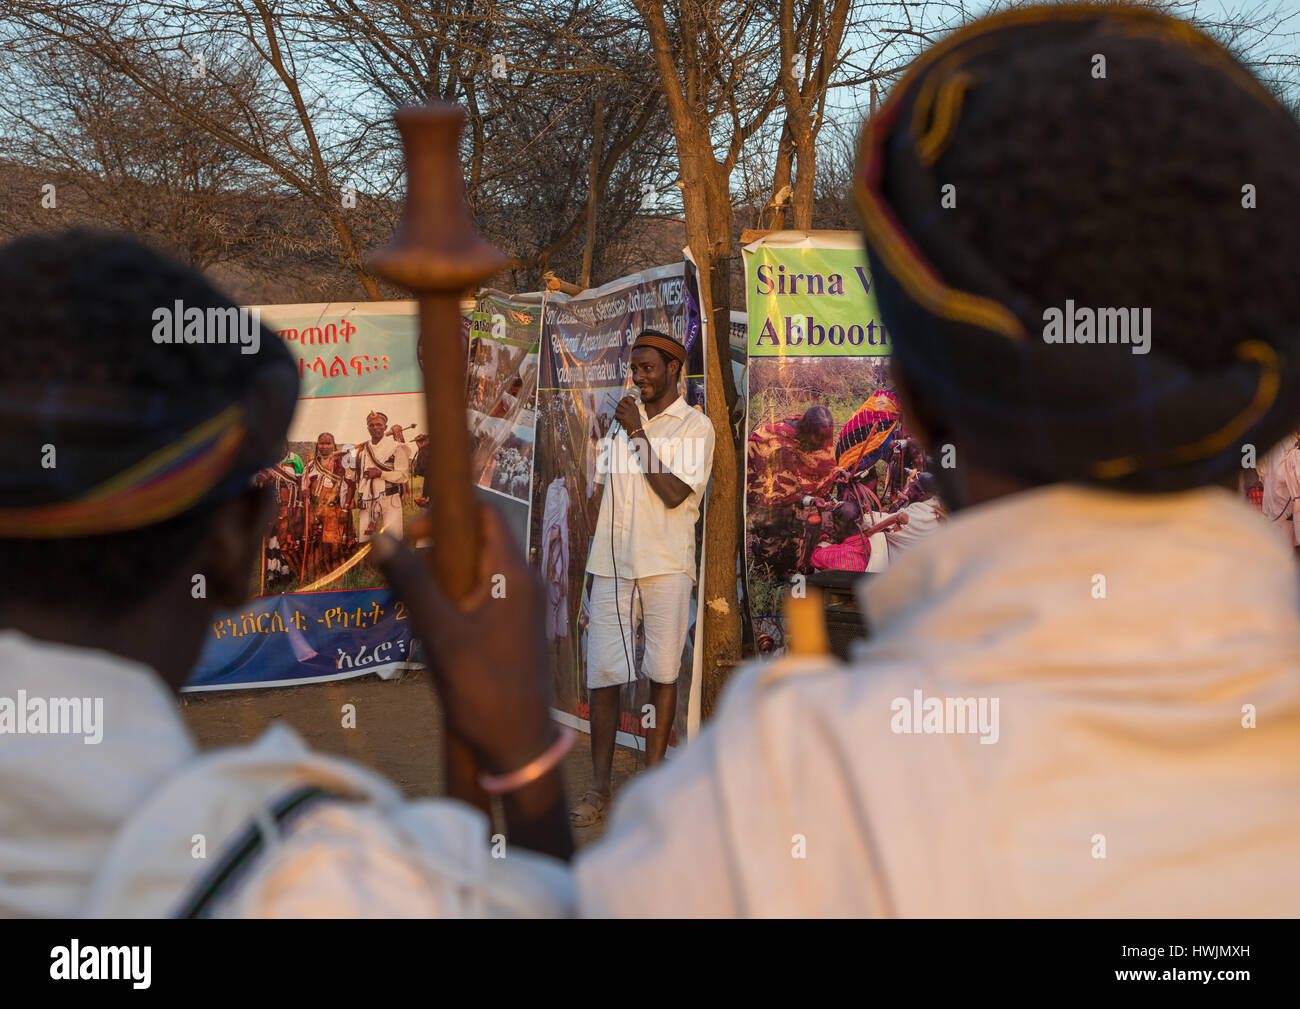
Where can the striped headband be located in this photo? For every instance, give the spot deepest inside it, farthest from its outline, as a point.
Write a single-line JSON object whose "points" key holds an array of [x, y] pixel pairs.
{"points": [[160, 486], [660, 342]]}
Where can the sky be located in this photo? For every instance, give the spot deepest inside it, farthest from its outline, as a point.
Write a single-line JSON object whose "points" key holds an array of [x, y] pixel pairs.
{"points": [[847, 105]]}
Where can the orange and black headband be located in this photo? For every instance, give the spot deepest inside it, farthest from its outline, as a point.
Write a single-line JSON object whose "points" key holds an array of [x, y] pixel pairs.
{"points": [[664, 343]]}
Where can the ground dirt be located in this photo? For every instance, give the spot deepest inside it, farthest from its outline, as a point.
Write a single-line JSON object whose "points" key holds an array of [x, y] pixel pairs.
{"points": [[398, 730]]}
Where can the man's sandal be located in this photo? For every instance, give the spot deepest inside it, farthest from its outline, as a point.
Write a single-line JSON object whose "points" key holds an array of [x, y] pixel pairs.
{"points": [[590, 811]]}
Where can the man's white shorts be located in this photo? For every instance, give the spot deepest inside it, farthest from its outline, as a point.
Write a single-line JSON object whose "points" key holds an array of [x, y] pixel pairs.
{"points": [[662, 603]]}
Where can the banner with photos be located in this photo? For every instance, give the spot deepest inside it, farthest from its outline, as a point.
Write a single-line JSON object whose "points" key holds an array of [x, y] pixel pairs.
{"points": [[501, 397], [585, 354], [832, 480], [317, 610]]}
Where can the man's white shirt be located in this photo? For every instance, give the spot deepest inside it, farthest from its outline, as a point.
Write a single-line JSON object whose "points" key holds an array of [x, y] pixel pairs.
{"points": [[648, 537]]}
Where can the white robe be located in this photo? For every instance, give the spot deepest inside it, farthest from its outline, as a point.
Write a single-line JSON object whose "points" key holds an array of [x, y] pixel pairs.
{"points": [[1120, 723], [555, 548], [109, 830], [1282, 488], [923, 519], [375, 489]]}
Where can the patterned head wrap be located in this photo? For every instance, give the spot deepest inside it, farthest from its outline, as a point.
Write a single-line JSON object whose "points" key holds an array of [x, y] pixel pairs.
{"points": [[869, 433], [975, 347]]}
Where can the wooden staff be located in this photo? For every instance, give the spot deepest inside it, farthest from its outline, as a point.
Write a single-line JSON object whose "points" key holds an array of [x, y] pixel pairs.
{"points": [[438, 255], [805, 624]]}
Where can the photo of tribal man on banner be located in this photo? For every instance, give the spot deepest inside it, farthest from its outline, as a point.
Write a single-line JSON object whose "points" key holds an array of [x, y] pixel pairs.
{"points": [[833, 482], [585, 352], [318, 608]]}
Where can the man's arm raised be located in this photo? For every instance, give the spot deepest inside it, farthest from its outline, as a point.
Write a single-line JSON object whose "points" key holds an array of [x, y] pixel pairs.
{"points": [[670, 489], [489, 665]]}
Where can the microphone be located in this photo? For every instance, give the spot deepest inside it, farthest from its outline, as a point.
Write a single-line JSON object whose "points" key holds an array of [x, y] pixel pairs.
{"points": [[635, 392]]}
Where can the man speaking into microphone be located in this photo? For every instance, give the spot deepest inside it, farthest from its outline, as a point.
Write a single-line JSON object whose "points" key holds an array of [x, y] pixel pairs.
{"points": [[651, 476]]}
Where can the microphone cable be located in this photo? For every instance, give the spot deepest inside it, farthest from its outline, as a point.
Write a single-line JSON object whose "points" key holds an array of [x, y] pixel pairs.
{"points": [[635, 392]]}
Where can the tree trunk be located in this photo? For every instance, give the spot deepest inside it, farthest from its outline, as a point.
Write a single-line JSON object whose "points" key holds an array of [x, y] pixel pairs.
{"points": [[719, 601], [593, 191], [706, 196], [801, 96], [801, 202], [708, 233], [780, 179]]}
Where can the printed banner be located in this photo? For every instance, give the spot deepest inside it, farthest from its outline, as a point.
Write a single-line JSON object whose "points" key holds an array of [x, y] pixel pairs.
{"points": [[317, 610], [501, 397], [585, 353], [832, 481], [1272, 487], [815, 302]]}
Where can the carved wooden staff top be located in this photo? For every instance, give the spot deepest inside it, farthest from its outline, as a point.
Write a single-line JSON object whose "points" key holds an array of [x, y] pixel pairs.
{"points": [[437, 254]]}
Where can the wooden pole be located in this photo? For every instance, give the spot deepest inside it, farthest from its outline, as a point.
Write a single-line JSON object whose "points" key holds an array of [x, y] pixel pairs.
{"points": [[438, 255], [805, 624]]}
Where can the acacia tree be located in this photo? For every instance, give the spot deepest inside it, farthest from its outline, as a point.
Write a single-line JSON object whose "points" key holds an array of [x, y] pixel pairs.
{"points": [[562, 122], [717, 71], [810, 52], [286, 137], [839, 57], [813, 38], [127, 162], [332, 71], [575, 134], [724, 67]]}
